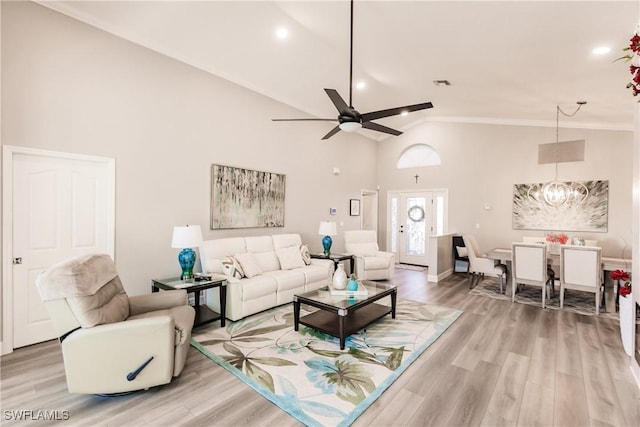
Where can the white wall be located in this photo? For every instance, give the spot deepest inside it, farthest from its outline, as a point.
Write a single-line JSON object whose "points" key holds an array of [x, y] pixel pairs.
{"points": [[69, 87], [481, 163]]}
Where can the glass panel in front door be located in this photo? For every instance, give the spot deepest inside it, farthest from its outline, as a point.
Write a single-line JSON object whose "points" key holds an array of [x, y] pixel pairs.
{"points": [[416, 231]]}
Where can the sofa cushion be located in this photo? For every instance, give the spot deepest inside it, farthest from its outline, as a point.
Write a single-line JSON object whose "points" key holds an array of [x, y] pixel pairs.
{"points": [[257, 244], [290, 257], [306, 255], [286, 240], [258, 286], [232, 267], [316, 273], [249, 264], [268, 261], [287, 280], [212, 251]]}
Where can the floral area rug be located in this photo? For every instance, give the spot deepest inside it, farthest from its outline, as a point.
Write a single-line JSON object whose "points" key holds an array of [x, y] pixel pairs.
{"points": [[306, 374], [574, 301]]}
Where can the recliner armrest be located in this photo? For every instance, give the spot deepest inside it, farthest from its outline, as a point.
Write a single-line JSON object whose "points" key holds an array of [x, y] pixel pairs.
{"points": [[156, 301]]}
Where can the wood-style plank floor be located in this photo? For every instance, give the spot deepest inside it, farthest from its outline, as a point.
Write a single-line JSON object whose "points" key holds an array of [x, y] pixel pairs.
{"points": [[498, 364]]}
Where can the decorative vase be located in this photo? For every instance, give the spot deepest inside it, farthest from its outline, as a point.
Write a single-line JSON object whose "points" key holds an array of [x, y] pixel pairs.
{"points": [[340, 278], [352, 285], [627, 322]]}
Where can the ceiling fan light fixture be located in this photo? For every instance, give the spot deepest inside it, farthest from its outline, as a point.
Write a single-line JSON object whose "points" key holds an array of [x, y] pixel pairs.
{"points": [[350, 126]]}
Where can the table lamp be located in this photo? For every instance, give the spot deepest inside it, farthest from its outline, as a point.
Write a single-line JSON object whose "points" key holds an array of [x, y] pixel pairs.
{"points": [[327, 229], [185, 238]]}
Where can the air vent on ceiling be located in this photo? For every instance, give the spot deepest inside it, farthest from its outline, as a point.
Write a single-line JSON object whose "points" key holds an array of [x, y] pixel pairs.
{"points": [[442, 82]]}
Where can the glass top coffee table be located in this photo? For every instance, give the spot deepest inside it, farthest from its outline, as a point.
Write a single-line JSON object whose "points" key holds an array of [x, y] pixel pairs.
{"points": [[340, 315]]}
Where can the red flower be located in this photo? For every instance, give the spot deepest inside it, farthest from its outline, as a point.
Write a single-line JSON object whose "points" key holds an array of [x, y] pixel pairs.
{"points": [[625, 290], [619, 275], [563, 238]]}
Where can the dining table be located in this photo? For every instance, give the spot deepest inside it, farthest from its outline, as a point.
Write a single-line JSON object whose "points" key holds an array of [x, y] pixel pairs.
{"points": [[503, 255], [608, 263]]}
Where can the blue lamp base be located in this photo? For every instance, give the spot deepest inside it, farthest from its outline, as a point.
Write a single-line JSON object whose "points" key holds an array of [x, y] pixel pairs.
{"points": [[326, 245], [187, 259]]}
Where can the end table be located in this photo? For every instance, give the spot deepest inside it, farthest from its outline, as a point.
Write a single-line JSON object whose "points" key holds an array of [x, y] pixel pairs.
{"points": [[336, 258], [203, 313]]}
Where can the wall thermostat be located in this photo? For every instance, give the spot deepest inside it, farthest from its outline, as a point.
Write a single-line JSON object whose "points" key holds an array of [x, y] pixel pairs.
{"points": [[333, 211]]}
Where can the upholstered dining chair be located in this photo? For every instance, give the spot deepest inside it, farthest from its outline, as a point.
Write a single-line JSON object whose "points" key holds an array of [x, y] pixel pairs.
{"points": [[112, 343], [581, 270], [529, 267], [371, 263], [480, 266]]}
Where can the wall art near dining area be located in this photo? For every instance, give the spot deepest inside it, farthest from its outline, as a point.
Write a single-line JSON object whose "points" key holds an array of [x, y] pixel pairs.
{"points": [[245, 198], [590, 214]]}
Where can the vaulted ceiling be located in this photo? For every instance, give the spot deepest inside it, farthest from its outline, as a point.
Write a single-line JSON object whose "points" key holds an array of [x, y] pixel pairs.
{"points": [[507, 61]]}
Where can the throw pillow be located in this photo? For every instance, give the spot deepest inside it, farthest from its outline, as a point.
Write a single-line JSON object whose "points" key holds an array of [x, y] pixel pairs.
{"points": [[249, 264], [232, 267], [289, 258], [306, 255], [462, 251]]}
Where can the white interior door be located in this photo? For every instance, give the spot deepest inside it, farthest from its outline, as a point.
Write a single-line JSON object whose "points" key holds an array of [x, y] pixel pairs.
{"points": [[369, 210], [61, 206]]}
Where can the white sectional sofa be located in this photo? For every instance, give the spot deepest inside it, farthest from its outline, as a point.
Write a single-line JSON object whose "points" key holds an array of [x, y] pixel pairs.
{"points": [[262, 271]]}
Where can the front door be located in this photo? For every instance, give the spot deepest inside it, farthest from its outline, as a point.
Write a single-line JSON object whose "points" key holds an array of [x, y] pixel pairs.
{"points": [[61, 206], [410, 226]]}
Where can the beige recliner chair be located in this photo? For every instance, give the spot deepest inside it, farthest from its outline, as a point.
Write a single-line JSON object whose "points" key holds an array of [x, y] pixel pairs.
{"points": [[112, 343], [371, 263]]}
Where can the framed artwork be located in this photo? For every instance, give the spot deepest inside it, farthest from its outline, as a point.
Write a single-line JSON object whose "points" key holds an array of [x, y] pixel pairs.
{"points": [[354, 207], [589, 215], [245, 198]]}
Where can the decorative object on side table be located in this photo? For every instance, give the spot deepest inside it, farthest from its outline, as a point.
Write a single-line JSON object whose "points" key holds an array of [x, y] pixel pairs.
{"points": [[327, 229], [185, 238], [625, 303], [352, 285], [339, 278]]}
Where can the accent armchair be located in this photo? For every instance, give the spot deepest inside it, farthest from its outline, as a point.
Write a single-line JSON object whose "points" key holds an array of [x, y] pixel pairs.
{"points": [[371, 263], [113, 343], [479, 265]]}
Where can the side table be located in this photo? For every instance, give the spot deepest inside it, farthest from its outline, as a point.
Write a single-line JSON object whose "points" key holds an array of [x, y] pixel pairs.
{"points": [[203, 313], [336, 258]]}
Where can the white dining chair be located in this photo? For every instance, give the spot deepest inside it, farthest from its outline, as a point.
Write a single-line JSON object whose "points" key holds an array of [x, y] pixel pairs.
{"points": [[479, 265], [581, 270], [529, 267]]}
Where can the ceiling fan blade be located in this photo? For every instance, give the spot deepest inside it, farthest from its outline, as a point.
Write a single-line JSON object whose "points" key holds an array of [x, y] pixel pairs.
{"points": [[394, 111], [332, 132], [337, 100], [304, 120], [380, 128]]}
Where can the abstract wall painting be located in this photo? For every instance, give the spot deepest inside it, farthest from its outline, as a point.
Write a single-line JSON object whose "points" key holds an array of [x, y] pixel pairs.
{"points": [[590, 215], [245, 198]]}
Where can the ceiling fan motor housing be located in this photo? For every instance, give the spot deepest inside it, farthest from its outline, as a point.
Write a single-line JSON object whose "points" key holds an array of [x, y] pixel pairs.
{"points": [[349, 116]]}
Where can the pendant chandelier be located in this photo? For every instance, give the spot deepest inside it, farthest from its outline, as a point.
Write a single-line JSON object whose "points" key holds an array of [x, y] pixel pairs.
{"points": [[557, 193]]}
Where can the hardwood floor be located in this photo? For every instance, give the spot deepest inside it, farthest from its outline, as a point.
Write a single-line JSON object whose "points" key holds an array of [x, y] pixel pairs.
{"points": [[499, 364]]}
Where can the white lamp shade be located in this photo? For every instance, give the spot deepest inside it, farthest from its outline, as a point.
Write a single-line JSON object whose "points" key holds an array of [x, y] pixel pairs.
{"points": [[189, 236], [327, 228], [350, 126]]}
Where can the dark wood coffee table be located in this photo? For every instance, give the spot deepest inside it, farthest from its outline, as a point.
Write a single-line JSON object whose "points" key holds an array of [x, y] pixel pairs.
{"points": [[341, 316]]}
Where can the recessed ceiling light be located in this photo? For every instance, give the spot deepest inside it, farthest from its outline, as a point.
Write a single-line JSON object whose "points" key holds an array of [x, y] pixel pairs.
{"points": [[601, 50], [282, 33], [441, 83], [361, 85]]}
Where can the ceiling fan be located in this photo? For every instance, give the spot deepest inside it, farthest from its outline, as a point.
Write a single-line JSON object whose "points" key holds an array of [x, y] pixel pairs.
{"points": [[349, 119]]}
